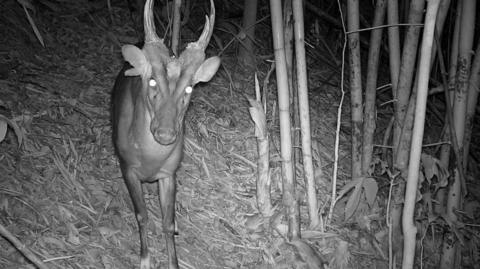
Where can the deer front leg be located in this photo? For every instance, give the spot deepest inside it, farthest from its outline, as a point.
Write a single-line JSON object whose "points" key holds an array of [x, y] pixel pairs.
{"points": [[134, 187], [167, 191]]}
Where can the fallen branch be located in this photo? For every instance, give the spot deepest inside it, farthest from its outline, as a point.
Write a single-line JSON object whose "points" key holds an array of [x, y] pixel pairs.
{"points": [[22, 248]]}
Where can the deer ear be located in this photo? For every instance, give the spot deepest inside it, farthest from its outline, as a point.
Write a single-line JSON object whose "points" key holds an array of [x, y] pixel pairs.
{"points": [[136, 57], [206, 70]]}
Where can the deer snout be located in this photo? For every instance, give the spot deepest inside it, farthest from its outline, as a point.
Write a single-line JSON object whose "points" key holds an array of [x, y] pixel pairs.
{"points": [[165, 136]]}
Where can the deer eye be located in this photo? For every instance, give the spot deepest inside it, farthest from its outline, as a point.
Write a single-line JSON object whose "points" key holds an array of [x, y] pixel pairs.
{"points": [[152, 82], [188, 90]]}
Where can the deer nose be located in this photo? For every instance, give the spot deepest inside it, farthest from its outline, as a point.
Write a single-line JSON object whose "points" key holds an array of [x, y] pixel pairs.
{"points": [[165, 136]]}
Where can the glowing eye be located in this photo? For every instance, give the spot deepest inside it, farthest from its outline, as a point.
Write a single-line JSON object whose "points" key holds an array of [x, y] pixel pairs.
{"points": [[188, 89], [152, 83]]}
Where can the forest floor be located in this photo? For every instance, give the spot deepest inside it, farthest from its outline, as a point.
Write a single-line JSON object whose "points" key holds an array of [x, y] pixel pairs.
{"points": [[62, 193]]}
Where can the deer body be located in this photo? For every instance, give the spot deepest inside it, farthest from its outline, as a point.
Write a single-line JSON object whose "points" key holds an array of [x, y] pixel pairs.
{"points": [[150, 98]]}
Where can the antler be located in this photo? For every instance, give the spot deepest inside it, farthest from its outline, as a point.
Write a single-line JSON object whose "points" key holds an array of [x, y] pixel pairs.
{"points": [[149, 24], [204, 38]]}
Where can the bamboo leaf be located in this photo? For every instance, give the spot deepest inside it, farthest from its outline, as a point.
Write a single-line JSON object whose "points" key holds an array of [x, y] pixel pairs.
{"points": [[258, 116], [3, 129], [15, 127], [347, 188], [308, 253], [353, 200], [370, 187], [27, 5], [429, 166]]}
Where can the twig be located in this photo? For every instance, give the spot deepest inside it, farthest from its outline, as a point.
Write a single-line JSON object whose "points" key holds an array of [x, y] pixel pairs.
{"points": [[453, 137], [337, 131], [22, 248]]}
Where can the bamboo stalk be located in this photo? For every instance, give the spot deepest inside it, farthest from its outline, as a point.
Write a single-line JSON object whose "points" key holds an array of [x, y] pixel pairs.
{"points": [[369, 123], [393, 48], [246, 50], [289, 197], [405, 79], [353, 24], [473, 88], [458, 188], [176, 26], [304, 113], [257, 113], [408, 224]]}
